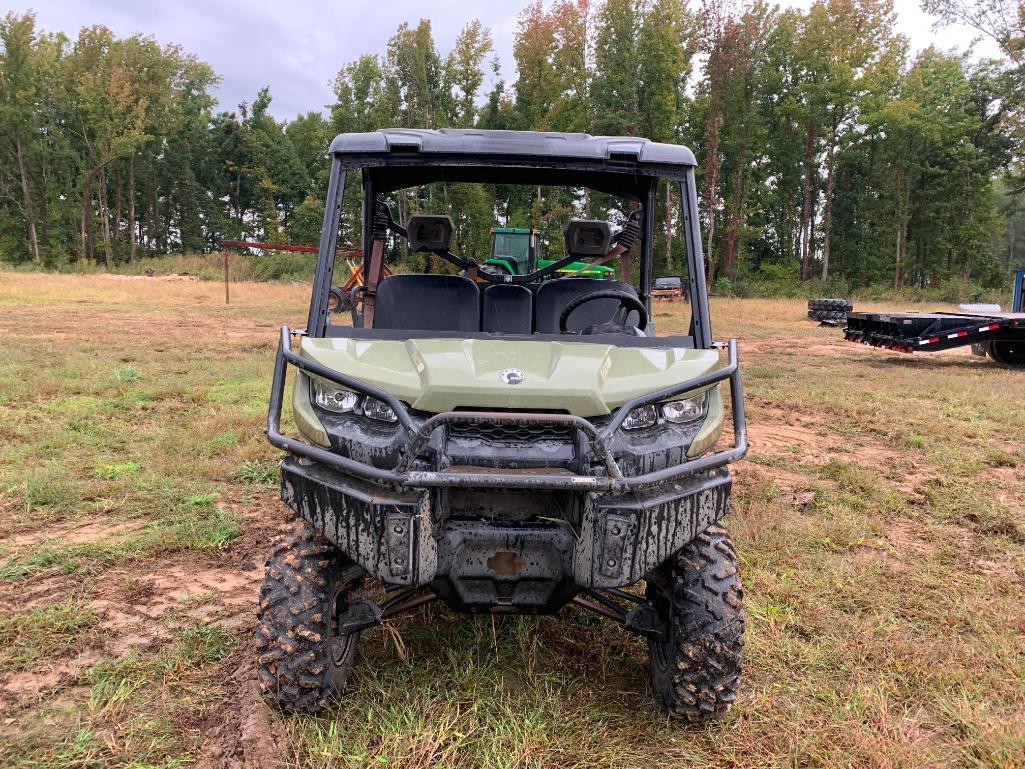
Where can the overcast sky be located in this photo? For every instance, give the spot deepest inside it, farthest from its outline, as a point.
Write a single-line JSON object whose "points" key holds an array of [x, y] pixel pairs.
{"points": [[297, 46]]}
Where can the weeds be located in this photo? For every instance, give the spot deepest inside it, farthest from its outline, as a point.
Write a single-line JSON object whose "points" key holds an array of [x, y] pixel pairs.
{"points": [[194, 648], [26, 636]]}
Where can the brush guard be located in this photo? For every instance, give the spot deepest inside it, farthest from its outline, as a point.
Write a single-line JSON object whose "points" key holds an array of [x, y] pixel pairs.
{"points": [[417, 436]]}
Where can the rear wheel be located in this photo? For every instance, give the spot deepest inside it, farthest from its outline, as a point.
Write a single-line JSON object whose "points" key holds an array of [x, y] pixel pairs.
{"points": [[1008, 352], [303, 661], [696, 665]]}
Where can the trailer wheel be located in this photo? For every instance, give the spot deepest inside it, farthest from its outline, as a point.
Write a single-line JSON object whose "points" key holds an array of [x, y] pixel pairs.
{"points": [[1008, 352], [303, 662], [696, 666]]}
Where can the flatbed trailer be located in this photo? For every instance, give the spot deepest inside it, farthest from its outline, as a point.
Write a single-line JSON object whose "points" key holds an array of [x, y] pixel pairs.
{"points": [[1000, 335]]}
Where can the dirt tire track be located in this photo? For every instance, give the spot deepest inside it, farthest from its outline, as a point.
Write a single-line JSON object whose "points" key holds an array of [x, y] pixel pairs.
{"points": [[250, 736]]}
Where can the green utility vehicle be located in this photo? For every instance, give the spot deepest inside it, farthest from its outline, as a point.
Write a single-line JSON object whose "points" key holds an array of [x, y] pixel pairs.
{"points": [[518, 252], [505, 443]]}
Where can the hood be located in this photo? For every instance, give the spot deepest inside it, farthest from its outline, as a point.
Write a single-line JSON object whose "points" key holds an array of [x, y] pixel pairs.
{"points": [[436, 375]]}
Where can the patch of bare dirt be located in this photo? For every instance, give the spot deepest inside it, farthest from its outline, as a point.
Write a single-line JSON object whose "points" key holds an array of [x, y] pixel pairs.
{"points": [[909, 539], [25, 687], [866, 555], [21, 595], [910, 480], [786, 480], [999, 569], [751, 348], [97, 530], [140, 611], [141, 605], [777, 432], [1007, 484], [249, 735]]}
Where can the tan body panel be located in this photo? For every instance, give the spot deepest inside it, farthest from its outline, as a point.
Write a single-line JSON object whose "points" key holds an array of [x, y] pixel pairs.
{"points": [[436, 375]]}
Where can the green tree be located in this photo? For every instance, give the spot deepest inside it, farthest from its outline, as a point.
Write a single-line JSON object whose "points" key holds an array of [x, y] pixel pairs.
{"points": [[20, 86], [616, 69], [464, 72]]}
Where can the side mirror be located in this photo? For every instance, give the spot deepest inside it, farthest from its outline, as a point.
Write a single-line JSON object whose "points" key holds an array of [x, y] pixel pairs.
{"points": [[429, 232], [588, 237]]}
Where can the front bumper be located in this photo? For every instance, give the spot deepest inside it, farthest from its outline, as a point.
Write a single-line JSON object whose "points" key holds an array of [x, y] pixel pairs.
{"points": [[406, 537]]}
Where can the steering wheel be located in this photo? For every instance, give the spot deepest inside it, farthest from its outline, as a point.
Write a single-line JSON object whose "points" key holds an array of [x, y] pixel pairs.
{"points": [[617, 323]]}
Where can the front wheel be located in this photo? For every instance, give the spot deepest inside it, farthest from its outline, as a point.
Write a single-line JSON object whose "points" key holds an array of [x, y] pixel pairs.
{"points": [[303, 661], [696, 664]]}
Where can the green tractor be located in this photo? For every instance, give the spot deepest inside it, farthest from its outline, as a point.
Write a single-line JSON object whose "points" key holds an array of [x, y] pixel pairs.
{"points": [[520, 252]]}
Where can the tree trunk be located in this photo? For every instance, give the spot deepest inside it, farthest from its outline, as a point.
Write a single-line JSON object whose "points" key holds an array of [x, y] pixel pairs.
{"points": [[108, 251], [117, 211], [132, 235], [903, 202], [669, 225], [30, 216], [710, 194], [151, 221], [807, 204], [83, 243], [87, 187], [827, 214], [732, 234], [44, 213], [897, 255]]}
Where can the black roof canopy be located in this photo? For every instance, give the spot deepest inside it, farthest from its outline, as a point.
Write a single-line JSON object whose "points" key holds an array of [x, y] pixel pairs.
{"points": [[402, 157]]}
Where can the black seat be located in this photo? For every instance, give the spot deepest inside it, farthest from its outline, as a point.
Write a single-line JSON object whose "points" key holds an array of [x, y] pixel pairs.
{"points": [[427, 303], [553, 296], [508, 309]]}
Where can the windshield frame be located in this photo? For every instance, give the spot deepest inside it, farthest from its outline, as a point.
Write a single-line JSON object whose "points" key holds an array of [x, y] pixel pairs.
{"points": [[626, 179]]}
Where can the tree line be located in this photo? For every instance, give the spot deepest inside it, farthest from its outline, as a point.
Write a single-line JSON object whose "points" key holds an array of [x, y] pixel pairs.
{"points": [[825, 149]]}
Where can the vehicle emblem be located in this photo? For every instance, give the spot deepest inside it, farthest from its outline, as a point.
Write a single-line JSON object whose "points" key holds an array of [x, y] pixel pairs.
{"points": [[511, 376]]}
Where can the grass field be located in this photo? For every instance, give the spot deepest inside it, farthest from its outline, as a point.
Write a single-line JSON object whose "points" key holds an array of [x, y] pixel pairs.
{"points": [[880, 519]]}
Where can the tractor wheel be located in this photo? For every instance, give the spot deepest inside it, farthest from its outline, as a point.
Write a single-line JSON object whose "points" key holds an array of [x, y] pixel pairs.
{"points": [[696, 665], [828, 315], [1008, 352], [831, 305], [337, 300], [303, 662]]}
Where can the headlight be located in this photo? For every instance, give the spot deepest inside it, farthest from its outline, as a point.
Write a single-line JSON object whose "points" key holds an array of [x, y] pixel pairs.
{"points": [[376, 409], [679, 411], [342, 401], [640, 417], [686, 409], [333, 398]]}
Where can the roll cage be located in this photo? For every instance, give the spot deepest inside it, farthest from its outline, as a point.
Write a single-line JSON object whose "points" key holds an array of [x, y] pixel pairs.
{"points": [[392, 159]]}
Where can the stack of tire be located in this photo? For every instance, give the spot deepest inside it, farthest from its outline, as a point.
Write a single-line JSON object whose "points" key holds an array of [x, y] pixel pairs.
{"points": [[830, 312]]}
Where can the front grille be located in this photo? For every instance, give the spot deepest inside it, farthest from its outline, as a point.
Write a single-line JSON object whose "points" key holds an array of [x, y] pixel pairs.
{"points": [[510, 432]]}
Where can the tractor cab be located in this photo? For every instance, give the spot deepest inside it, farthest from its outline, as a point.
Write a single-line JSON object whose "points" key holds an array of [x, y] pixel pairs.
{"points": [[514, 250], [521, 251]]}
